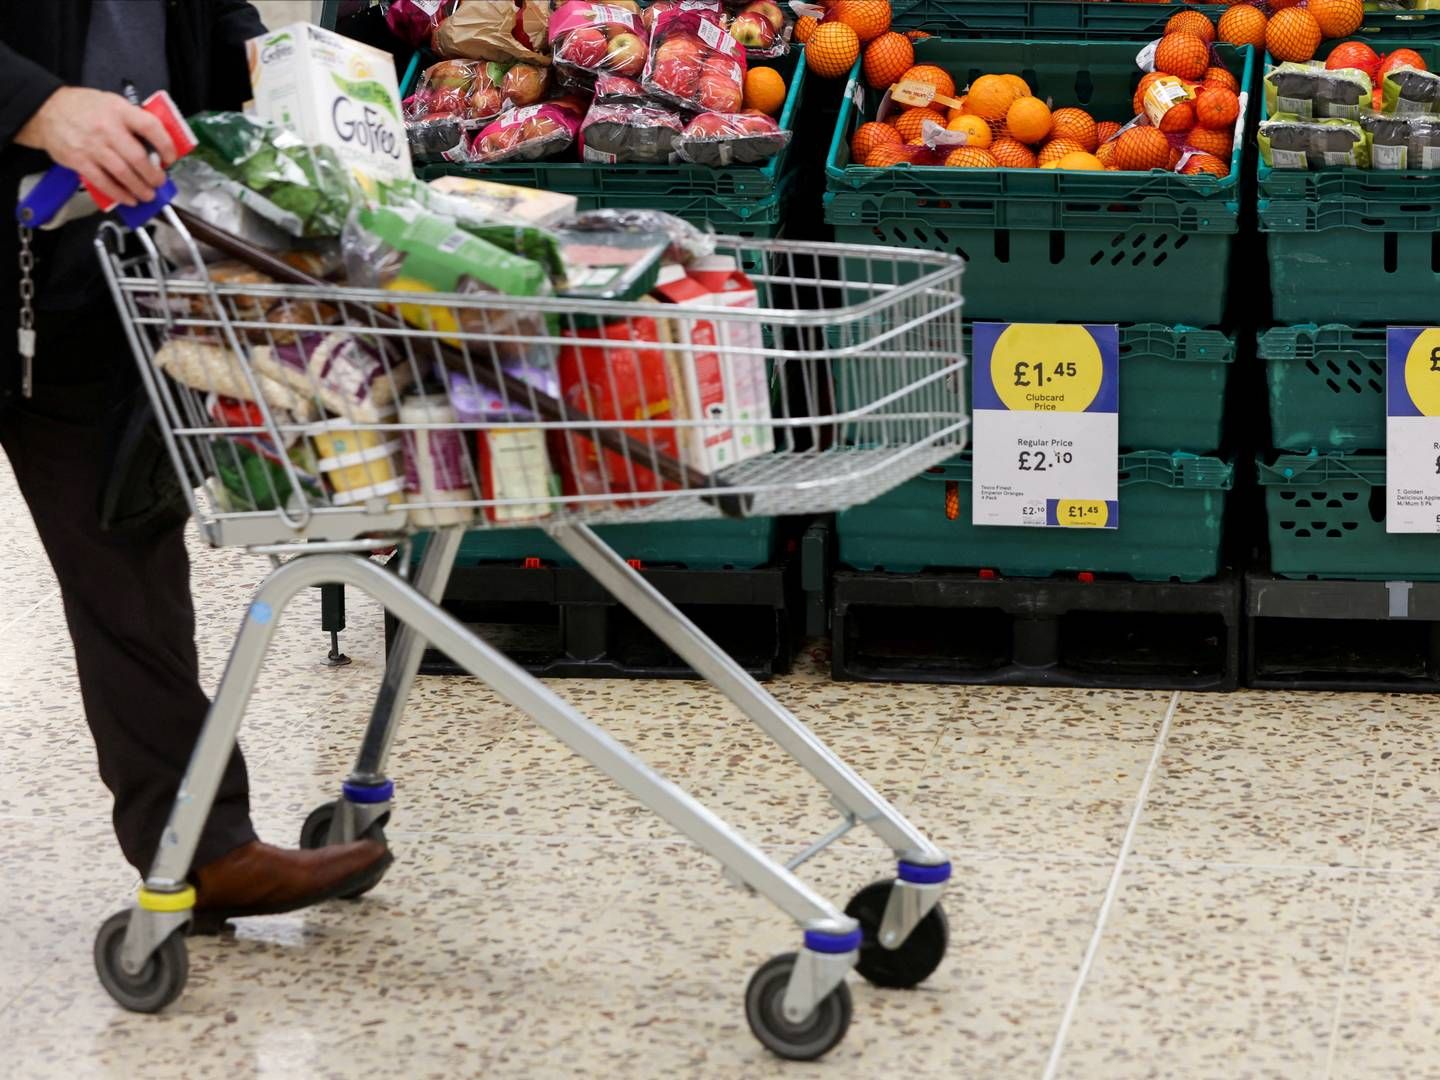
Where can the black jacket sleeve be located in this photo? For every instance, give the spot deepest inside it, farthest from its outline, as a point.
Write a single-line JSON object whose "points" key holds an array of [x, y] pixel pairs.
{"points": [[24, 86], [235, 22]]}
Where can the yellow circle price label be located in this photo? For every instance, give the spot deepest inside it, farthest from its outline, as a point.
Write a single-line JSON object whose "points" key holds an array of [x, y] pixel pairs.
{"points": [[1082, 513], [1038, 367], [1422, 372]]}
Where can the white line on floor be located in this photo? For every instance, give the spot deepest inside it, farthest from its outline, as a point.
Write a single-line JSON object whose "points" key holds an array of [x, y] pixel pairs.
{"points": [[1111, 892]]}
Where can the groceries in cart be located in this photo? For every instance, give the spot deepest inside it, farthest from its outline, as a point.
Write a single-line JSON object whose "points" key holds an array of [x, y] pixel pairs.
{"points": [[437, 392], [612, 86]]}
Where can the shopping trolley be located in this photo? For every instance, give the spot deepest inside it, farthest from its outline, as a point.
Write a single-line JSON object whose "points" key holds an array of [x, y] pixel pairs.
{"points": [[447, 416]]}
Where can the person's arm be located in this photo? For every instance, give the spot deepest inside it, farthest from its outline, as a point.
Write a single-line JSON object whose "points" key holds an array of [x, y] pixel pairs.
{"points": [[24, 86]]}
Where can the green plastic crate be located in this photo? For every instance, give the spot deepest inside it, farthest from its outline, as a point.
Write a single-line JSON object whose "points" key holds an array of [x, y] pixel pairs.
{"points": [[1172, 508], [728, 544], [1327, 386], [598, 185], [1326, 517], [1091, 20], [1045, 245]]}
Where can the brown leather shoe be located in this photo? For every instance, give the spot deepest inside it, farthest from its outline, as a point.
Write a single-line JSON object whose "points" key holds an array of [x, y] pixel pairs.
{"points": [[260, 879]]}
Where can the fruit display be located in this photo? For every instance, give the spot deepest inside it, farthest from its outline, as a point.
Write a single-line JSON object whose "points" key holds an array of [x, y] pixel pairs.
{"points": [[623, 127], [1359, 110], [731, 139], [1182, 119], [764, 27]]}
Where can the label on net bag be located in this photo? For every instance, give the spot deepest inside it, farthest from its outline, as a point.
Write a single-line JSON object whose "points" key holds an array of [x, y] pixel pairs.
{"points": [[1047, 425], [1412, 429]]}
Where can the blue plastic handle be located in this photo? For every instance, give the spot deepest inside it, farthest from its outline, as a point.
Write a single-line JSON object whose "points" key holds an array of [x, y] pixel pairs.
{"points": [[58, 186], [47, 197]]}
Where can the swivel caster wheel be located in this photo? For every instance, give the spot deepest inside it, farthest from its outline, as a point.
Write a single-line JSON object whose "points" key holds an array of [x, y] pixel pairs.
{"points": [[915, 960], [157, 984], [315, 833], [812, 1037]]}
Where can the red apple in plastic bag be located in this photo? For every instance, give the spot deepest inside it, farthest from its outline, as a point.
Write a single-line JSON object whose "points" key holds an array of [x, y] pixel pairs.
{"points": [[525, 84], [718, 93], [584, 48], [753, 30], [627, 55], [449, 82], [771, 12], [486, 101]]}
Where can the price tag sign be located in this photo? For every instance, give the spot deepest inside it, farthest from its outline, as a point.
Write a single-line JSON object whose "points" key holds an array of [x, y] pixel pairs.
{"points": [[1412, 429], [1047, 425]]}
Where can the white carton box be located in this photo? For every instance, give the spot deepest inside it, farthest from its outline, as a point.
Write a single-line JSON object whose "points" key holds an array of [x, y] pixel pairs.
{"points": [[332, 91], [728, 388]]}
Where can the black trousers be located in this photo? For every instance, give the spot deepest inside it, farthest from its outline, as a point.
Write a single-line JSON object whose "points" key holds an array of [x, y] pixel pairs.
{"points": [[126, 595]]}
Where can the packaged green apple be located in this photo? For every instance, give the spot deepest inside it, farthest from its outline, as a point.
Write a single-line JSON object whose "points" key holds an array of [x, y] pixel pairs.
{"points": [[1294, 143], [1409, 91], [593, 39]]}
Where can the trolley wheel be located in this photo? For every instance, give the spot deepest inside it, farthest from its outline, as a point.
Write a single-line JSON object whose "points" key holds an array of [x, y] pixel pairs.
{"points": [[159, 982], [807, 1040], [915, 960], [315, 833]]}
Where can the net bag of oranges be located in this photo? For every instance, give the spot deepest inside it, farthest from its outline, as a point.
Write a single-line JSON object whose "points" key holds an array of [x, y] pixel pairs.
{"points": [[695, 63]]}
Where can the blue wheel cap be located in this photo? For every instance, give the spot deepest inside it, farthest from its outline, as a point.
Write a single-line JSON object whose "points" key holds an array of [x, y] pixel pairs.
{"points": [[821, 942], [924, 875], [368, 793]]}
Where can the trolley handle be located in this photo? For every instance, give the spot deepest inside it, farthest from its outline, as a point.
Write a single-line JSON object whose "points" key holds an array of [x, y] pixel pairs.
{"points": [[677, 472]]}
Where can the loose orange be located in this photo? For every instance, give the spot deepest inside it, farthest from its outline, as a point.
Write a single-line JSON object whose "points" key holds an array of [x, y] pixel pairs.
{"points": [[1012, 154], [911, 122], [1191, 22], [868, 18], [1243, 24], [1183, 55], [1076, 125], [1079, 161], [1141, 149], [1056, 149], [832, 50], [990, 97], [765, 90], [968, 157], [887, 58], [1022, 88], [977, 131], [1028, 119], [1337, 18], [872, 135]]}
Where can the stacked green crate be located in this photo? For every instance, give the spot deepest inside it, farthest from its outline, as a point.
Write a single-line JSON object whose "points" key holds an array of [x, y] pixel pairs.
{"points": [[1324, 482], [1361, 244], [1046, 245], [1147, 250], [1172, 393]]}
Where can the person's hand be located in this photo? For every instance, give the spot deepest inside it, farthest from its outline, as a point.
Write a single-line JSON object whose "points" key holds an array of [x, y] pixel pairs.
{"points": [[98, 135]]}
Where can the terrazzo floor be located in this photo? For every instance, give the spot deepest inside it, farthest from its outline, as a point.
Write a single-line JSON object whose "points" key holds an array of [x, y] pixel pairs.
{"points": [[1146, 885]]}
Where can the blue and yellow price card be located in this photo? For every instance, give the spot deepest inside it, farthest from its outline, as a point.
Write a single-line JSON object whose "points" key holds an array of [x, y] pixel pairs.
{"points": [[1047, 425], [1412, 429]]}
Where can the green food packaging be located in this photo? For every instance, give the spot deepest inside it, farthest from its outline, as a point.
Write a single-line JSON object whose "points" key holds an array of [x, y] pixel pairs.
{"points": [[1410, 92], [1290, 143]]}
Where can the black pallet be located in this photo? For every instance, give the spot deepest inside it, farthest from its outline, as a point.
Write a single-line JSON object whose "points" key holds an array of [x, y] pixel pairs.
{"points": [[558, 622], [1375, 636], [947, 627]]}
